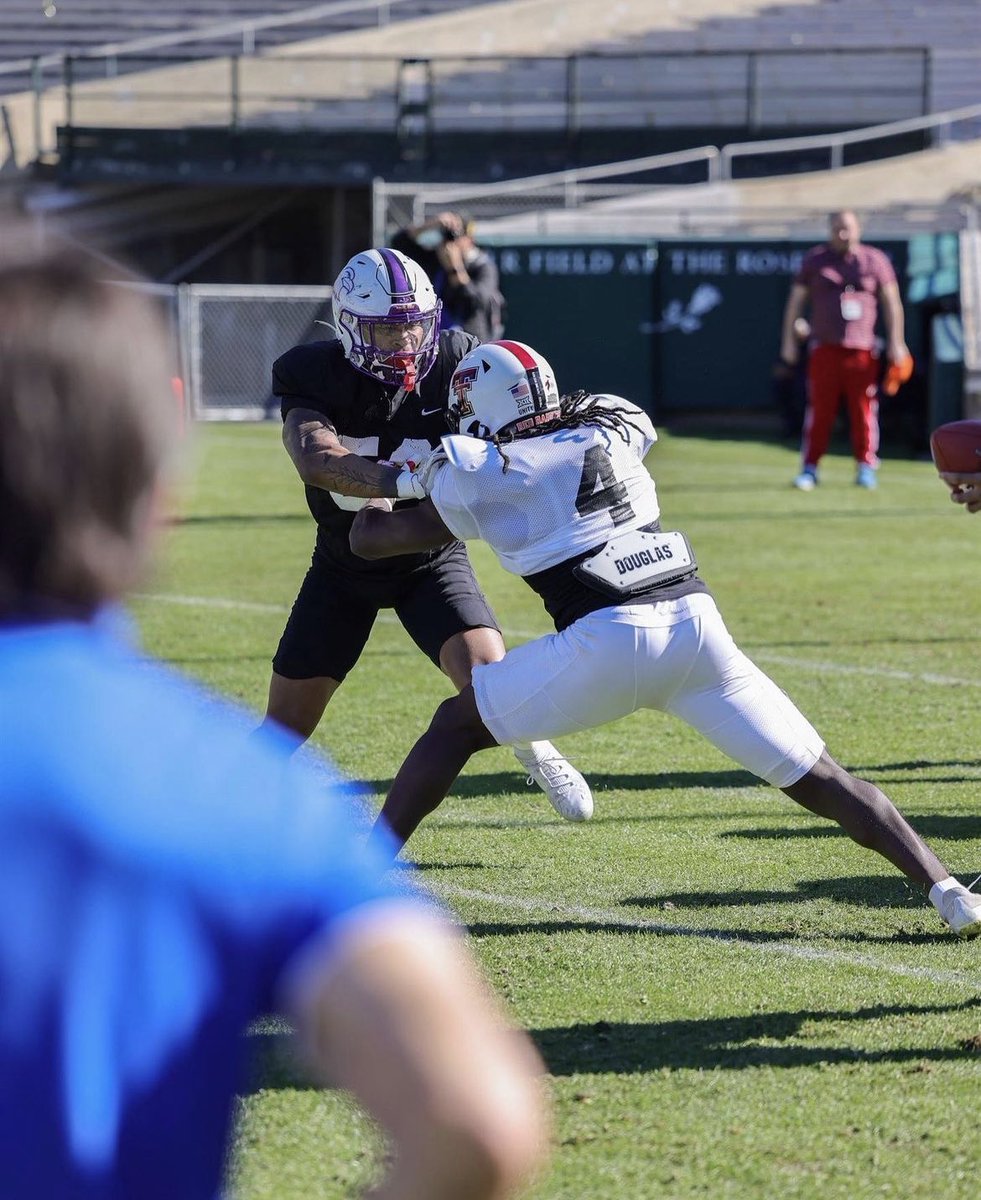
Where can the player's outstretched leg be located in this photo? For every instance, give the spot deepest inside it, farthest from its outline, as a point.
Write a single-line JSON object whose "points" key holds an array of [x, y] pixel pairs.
{"points": [[455, 733], [870, 818], [568, 792]]}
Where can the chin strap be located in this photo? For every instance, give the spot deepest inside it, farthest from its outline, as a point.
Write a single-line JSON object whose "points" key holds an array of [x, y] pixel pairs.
{"points": [[396, 401], [408, 385]]}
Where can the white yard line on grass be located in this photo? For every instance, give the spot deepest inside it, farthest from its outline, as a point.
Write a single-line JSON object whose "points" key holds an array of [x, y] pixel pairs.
{"points": [[209, 602], [553, 909], [784, 660], [831, 668]]}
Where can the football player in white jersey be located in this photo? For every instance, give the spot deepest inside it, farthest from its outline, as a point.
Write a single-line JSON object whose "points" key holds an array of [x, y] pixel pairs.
{"points": [[558, 489]]}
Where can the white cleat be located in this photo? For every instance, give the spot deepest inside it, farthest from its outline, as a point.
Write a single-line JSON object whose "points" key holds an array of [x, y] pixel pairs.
{"points": [[567, 791], [961, 910]]}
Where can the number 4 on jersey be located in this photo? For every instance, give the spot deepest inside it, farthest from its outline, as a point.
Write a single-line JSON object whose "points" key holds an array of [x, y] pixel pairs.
{"points": [[599, 488]]}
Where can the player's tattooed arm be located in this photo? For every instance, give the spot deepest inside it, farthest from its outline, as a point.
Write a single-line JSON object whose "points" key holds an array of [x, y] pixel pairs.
{"points": [[321, 461]]}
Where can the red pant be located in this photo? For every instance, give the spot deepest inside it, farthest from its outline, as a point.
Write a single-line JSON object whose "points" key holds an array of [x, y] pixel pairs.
{"points": [[833, 372]]}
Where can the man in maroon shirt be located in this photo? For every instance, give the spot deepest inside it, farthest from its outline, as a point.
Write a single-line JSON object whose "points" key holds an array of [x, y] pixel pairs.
{"points": [[844, 281]]}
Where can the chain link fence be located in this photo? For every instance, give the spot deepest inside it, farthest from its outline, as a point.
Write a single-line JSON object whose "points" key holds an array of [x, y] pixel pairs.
{"points": [[231, 335], [227, 336]]}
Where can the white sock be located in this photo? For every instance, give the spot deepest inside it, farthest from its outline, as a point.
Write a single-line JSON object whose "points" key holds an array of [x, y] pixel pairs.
{"points": [[534, 751], [940, 889]]}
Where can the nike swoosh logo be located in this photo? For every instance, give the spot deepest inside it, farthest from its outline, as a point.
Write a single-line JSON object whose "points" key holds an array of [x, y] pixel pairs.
{"points": [[428, 412]]}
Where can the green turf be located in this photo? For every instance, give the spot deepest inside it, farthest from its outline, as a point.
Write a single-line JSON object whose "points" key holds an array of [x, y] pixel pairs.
{"points": [[732, 998]]}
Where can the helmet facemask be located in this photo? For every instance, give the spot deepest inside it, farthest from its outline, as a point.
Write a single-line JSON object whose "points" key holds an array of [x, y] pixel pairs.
{"points": [[386, 316], [399, 348]]}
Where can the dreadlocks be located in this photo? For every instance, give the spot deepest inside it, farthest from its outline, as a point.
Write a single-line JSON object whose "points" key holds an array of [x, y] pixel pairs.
{"points": [[575, 409]]}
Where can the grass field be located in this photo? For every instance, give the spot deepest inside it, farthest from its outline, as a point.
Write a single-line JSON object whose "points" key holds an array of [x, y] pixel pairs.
{"points": [[732, 998]]}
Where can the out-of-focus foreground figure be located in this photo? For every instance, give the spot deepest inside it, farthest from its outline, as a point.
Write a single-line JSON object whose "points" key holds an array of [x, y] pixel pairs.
{"points": [[164, 877]]}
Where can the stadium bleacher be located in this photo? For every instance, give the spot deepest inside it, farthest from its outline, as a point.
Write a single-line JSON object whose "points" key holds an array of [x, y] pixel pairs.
{"points": [[205, 28], [79, 25], [759, 66], [950, 29]]}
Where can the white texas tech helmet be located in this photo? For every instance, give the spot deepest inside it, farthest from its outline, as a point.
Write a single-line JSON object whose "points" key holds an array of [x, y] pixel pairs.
{"points": [[502, 387], [384, 287]]}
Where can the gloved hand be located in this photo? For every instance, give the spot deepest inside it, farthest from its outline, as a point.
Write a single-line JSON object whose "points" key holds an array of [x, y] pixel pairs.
{"points": [[429, 467], [409, 486]]}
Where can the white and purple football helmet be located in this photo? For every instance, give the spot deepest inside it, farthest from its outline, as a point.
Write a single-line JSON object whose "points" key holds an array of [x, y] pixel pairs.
{"points": [[378, 294], [502, 387]]}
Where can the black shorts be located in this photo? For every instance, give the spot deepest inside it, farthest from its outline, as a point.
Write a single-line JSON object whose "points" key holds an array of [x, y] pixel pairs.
{"points": [[335, 611]]}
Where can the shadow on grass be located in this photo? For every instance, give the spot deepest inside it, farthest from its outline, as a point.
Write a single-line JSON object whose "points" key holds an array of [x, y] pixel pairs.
{"points": [[649, 927], [916, 764], [869, 891], [735, 1043], [673, 925], [500, 783], [240, 518], [928, 825], [422, 865], [732, 1043]]}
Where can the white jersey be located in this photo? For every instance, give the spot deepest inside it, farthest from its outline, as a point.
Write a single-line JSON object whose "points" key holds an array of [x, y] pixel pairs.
{"points": [[558, 496], [563, 496]]}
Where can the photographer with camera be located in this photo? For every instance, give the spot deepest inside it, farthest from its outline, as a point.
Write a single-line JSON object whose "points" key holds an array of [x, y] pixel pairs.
{"points": [[464, 276]]}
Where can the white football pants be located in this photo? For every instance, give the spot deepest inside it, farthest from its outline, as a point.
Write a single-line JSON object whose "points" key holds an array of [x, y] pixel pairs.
{"points": [[675, 655]]}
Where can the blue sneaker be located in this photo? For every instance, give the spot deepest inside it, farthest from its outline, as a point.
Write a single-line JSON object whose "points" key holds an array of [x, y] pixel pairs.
{"points": [[806, 481], [866, 477]]}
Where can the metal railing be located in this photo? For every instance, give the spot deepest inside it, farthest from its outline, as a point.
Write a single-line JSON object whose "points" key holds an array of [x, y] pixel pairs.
{"points": [[566, 188], [396, 205], [243, 28], [939, 125]]}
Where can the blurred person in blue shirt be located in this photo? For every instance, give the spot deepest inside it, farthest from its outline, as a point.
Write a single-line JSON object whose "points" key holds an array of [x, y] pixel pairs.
{"points": [[164, 877]]}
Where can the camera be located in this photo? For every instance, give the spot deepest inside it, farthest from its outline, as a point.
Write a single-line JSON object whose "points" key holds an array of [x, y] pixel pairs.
{"points": [[435, 235]]}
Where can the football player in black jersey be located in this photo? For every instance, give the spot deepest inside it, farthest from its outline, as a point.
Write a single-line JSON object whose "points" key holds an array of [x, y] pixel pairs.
{"points": [[360, 412]]}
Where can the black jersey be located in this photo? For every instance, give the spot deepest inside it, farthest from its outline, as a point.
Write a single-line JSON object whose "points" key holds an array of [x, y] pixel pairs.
{"points": [[317, 376]]}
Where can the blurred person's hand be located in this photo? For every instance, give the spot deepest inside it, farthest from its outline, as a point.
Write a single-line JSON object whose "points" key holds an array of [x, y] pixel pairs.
{"points": [[897, 351], [451, 259], [802, 329], [452, 223]]}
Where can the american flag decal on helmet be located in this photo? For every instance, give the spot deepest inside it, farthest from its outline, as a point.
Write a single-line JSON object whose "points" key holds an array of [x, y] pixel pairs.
{"points": [[534, 387]]}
